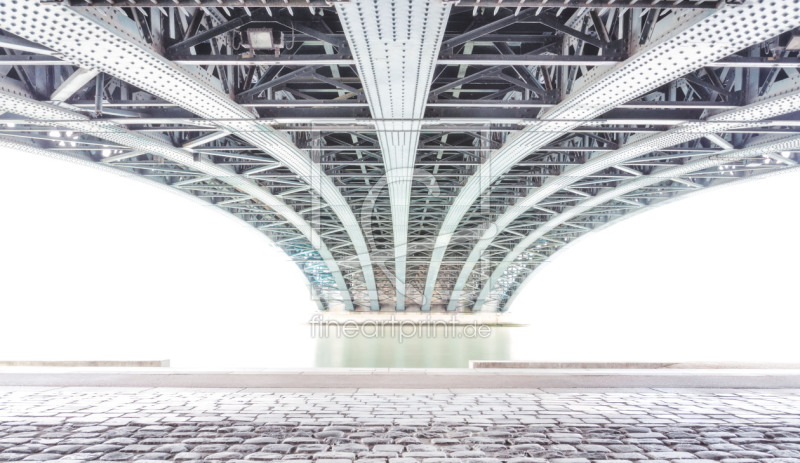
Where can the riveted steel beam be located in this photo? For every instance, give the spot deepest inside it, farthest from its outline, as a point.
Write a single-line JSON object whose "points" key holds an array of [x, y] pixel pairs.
{"points": [[316, 102], [102, 167], [493, 287], [784, 102], [595, 4], [665, 59], [108, 41], [395, 48], [24, 106], [734, 61]]}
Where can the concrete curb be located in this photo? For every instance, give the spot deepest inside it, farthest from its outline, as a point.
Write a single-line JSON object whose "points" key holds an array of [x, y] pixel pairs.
{"points": [[420, 379]]}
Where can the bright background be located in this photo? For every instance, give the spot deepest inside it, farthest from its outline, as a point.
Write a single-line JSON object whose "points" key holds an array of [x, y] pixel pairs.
{"points": [[98, 266], [713, 276]]}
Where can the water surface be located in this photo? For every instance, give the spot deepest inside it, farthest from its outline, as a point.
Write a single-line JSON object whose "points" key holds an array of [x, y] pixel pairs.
{"points": [[299, 347]]}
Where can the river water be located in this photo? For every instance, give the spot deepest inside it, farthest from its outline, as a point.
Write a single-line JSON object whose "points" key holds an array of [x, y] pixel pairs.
{"points": [[441, 348], [307, 347]]}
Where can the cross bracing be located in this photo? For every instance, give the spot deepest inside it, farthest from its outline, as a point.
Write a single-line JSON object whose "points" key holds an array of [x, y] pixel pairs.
{"points": [[411, 155]]}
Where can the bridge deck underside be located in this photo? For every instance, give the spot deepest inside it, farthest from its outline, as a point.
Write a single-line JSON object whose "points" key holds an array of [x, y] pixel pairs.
{"points": [[503, 76]]}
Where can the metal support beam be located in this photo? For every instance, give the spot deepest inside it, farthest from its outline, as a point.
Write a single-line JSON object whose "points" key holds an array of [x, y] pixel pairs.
{"points": [[195, 95], [766, 108], [491, 291], [77, 122], [537, 106], [656, 64], [396, 75], [734, 61], [661, 4], [20, 44], [71, 85], [49, 154], [99, 82], [199, 141]]}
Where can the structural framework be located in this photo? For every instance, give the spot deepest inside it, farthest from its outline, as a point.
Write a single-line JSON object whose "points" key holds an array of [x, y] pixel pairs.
{"points": [[410, 154]]}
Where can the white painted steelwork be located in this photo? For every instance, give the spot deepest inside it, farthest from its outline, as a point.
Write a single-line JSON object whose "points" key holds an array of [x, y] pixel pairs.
{"points": [[498, 103], [783, 101], [102, 167], [19, 103], [395, 51], [694, 40], [105, 40], [491, 290]]}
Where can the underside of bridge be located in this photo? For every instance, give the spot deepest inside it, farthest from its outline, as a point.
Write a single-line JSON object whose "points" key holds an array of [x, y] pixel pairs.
{"points": [[409, 154]]}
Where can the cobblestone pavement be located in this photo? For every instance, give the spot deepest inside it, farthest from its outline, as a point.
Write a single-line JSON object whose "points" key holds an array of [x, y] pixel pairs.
{"points": [[85, 424]]}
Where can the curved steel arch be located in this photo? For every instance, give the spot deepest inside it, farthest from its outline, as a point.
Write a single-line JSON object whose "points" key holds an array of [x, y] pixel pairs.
{"points": [[529, 278], [397, 78], [784, 102], [4, 143], [20, 105], [490, 291], [98, 40], [696, 40]]}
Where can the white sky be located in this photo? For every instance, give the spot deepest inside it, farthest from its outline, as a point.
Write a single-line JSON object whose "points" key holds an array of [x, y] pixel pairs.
{"points": [[713, 276], [97, 266]]}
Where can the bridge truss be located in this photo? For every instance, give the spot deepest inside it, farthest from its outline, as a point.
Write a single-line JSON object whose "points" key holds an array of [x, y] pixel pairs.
{"points": [[412, 154]]}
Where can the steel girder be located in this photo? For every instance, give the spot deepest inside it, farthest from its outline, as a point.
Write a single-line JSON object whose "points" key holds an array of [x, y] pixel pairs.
{"points": [[692, 40], [11, 100], [103, 40], [502, 276], [785, 99], [395, 50], [501, 73], [313, 4], [763, 174], [45, 58]]}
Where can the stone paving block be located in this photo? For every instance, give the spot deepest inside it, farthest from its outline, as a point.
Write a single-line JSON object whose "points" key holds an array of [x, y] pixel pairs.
{"points": [[277, 448], [314, 448], [480, 460], [423, 427], [261, 440], [223, 456], [42, 457], [115, 456], [153, 458], [671, 455], [209, 448], [334, 456], [264, 456], [421, 455], [350, 448], [628, 456]]}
